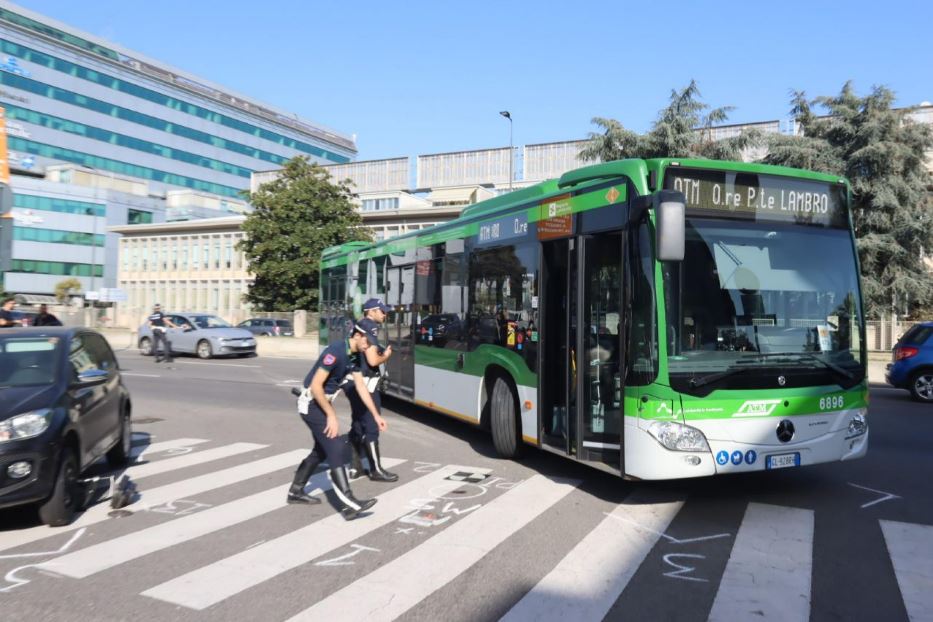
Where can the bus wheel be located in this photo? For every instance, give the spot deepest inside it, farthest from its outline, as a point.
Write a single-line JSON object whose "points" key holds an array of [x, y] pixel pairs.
{"points": [[504, 419]]}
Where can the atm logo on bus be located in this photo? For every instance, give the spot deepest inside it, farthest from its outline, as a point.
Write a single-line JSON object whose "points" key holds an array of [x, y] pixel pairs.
{"points": [[757, 408]]}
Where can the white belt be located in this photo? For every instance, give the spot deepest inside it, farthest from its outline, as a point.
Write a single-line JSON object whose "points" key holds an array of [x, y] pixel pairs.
{"points": [[305, 399]]}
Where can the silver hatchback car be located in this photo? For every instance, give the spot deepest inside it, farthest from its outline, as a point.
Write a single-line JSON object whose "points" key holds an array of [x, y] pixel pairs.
{"points": [[202, 334]]}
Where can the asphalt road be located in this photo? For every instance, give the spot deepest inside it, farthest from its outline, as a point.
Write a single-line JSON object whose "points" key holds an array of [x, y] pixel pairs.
{"points": [[464, 535]]}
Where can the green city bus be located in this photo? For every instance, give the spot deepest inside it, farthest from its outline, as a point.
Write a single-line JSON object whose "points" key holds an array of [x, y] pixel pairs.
{"points": [[657, 319]]}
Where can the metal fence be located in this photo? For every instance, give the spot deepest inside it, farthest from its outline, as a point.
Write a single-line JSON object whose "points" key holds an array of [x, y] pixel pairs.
{"points": [[882, 334]]}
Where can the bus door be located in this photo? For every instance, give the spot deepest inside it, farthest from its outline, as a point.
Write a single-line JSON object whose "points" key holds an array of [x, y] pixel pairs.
{"points": [[581, 366], [399, 327]]}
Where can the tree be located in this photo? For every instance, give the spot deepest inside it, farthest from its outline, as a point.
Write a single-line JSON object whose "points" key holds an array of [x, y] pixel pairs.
{"points": [[882, 152], [294, 218], [682, 130], [64, 289]]}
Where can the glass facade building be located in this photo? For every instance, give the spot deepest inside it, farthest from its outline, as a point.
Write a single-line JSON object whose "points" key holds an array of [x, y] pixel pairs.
{"points": [[74, 99]]}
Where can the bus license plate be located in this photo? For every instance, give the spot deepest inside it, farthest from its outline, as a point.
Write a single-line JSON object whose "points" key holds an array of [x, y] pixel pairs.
{"points": [[781, 461]]}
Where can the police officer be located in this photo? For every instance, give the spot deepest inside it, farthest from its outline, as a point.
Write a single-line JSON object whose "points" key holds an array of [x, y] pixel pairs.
{"points": [[365, 427], [157, 324], [322, 385]]}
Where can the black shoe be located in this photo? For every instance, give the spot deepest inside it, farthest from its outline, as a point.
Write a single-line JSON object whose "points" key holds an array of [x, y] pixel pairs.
{"points": [[350, 507], [301, 497], [376, 472]]}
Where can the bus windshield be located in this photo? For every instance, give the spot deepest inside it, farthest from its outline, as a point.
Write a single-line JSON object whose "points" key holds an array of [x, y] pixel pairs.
{"points": [[762, 304]]}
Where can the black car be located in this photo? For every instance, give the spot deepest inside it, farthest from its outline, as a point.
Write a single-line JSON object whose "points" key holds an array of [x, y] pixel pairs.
{"points": [[439, 328], [63, 406]]}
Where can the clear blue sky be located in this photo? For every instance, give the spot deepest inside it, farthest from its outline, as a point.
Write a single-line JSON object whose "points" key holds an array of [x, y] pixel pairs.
{"points": [[412, 77]]}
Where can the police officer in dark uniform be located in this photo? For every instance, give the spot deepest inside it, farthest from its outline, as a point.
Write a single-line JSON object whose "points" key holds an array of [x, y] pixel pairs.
{"points": [[322, 385], [365, 426], [157, 324]]}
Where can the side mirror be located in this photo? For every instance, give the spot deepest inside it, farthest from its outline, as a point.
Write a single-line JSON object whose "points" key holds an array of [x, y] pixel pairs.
{"points": [[671, 222], [91, 377]]}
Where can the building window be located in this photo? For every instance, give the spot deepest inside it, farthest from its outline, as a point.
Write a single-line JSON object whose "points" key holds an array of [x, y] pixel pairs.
{"points": [[138, 217], [56, 236], [62, 206], [55, 267], [380, 205]]}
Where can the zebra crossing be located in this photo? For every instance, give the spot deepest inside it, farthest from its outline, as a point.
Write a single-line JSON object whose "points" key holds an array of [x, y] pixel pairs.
{"points": [[427, 536]]}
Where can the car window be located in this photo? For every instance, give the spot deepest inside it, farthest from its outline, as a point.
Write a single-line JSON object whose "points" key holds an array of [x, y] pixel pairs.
{"points": [[180, 321], [246, 324], [27, 361], [917, 334], [209, 321], [100, 352], [81, 357], [284, 323]]}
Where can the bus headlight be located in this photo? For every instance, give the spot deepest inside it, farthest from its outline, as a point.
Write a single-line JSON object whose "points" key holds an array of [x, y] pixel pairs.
{"points": [[678, 437], [858, 425]]}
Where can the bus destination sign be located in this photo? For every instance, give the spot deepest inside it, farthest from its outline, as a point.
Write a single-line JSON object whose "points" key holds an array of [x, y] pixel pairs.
{"points": [[759, 197]]}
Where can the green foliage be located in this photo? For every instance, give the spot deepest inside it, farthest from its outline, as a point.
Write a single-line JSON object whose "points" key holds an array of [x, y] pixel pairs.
{"points": [[683, 130], [294, 218], [64, 288], [882, 152]]}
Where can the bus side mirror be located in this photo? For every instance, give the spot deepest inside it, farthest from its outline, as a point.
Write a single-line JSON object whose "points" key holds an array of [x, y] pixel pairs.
{"points": [[671, 224]]}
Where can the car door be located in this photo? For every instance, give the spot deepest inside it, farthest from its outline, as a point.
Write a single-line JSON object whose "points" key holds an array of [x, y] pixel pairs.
{"points": [[110, 404], [183, 337], [89, 398]]}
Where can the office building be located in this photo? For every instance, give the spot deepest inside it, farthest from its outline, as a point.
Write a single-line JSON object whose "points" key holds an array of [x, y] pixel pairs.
{"points": [[78, 106]]}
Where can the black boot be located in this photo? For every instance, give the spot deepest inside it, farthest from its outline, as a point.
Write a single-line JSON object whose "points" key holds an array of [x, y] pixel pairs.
{"points": [[296, 492], [356, 464], [349, 505], [376, 472]]}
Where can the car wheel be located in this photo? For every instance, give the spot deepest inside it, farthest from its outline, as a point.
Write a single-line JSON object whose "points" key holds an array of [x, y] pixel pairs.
{"points": [[145, 346], [204, 349], [921, 386], [119, 454], [60, 508], [504, 422]]}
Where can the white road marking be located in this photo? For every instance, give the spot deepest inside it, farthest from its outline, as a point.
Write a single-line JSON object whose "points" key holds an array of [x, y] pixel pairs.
{"points": [[911, 549], [771, 566], [149, 469], [94, 559], [396, 587], [131, 373], [885, 496], [141, 451], [590, 578], [61, 549], [157, 496], [177, 362], [213, 583]]}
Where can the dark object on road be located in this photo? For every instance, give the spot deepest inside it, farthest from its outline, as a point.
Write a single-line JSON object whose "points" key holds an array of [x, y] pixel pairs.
{"points": [[296, 391], [124, 494], [912, 363], [63, 405]]}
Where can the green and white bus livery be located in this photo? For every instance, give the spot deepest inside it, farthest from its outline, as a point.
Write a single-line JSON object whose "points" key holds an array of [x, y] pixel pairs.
{"points": [[656, 319]]}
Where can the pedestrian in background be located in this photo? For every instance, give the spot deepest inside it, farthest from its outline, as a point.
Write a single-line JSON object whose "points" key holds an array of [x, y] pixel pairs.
{"points": [[7, 319], [158, 324], [45, 318]]}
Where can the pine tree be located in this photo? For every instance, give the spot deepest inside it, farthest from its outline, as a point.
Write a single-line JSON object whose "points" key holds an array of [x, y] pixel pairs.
{"points": [[294, 218], [682, 130], [882, 152]]}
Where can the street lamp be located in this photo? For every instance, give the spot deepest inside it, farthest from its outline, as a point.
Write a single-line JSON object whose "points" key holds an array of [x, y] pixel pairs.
{"points": [[505, 113]]}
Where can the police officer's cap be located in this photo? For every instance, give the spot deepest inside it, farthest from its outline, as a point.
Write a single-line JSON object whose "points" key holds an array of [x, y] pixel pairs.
{"points": [[376, 303]]}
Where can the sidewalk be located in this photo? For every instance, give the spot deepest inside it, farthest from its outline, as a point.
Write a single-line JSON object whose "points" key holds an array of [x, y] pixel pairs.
{"points": [[275, 347]]}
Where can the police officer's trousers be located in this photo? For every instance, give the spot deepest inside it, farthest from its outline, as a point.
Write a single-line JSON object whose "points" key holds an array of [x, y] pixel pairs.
{"points": [[363, 428], [157, 336], [334, 450]]}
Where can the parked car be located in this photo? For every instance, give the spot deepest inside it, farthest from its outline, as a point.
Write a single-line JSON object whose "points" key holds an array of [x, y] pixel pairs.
{"points": [[268, 327], [63, 405], [202, 334], [439, 328], [912, 363]]}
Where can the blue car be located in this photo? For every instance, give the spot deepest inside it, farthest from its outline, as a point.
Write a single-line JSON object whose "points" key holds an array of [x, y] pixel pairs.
{"points": [[912, 366]]}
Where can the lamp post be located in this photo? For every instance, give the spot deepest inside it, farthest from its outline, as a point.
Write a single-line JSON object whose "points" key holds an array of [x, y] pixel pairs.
{"points": [[505, 113], [93, 214]]}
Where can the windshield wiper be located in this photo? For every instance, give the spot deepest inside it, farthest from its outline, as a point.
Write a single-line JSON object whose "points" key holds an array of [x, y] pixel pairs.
{"points": [[842, 371], [696, 383]]}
